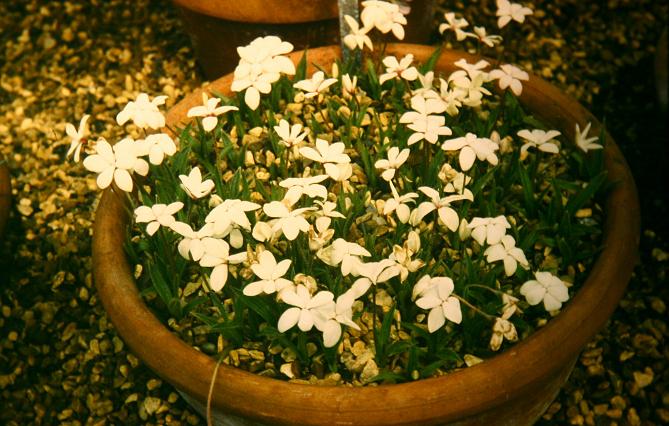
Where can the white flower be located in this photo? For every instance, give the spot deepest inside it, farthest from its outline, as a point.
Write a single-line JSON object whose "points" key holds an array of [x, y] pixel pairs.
{"points": [[339, 172], [510, 76], [442, 205], [426, 82], [472, 147], [399, 205], [507, 252], [261, 64], [290, 135], [78, 137], [582, 140], [192, 240], [490, 229], [506, 11], [143, 112], [209, 111], [471, 88], [228, 217], [455, 25], [357, 37], [395, 159], [344, 253], [116, 163], [316, 85], [343, 315], [426, 126], [194, 186], [289, 222], [502, 329], [270, 273], [540, 139], [472, 70], [325, 214], [547, 288], [348, 85], [437, 298], [384, 16], [398, 69], [481, 35], [217, 255], [308, 186], [262, 231], [373, 273], [452, 97], [454, 180], [157, 215], [307, 310], [326, 152], [157, 146], [402, 256]]}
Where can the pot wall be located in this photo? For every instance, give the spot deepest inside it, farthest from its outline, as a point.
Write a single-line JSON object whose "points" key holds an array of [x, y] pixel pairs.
{"points": [[512, 388]]}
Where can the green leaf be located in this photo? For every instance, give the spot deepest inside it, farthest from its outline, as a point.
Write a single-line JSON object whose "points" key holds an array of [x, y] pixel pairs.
{"points": [[576, 202]]}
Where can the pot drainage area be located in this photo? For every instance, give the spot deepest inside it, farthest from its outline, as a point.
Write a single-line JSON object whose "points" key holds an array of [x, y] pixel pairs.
{"points": [[61, 361]]}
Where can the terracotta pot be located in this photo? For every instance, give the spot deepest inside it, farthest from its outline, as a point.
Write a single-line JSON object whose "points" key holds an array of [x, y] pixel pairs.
{"points": [[217, 27], [5, 197], [512, 388]]}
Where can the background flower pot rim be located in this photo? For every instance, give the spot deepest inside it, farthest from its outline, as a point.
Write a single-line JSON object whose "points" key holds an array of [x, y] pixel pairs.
{"points": [[264, 11], [450, 397]]}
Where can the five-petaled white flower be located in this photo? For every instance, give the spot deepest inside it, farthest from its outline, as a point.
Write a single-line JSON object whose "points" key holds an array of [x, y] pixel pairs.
{"points": [[217, 255], [396, 69], [470, 88], [261, 64], [510, 76], [402, 256], [270, 273], [507, 252], [507, 11], [584, 142], [482, 36], [343, 315], [348, 85], [442, 205], [290, 222], [472, 70], [472, 147], [157, 215], [325, 152], [315, 85], [547, 288], [395, 159], [193, 184], [309, 186], [373, 273], [489, 229], [423, 123], [398, 204], [77, 136], [228, 217], [435, 295], [454, 24], [325, 214], [384, 16], [540, 139], [357, 37], [209, 111], [116, 163], [191, 243], [157, 146], [143, 112], [344, 253], [291, 136], [307, 311]]}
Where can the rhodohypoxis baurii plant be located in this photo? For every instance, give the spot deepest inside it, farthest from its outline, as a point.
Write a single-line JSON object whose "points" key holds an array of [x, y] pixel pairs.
{"points": [[378, 220]]}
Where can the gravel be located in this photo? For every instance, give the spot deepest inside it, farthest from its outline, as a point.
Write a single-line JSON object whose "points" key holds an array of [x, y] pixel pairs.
{"points": [[61, 361]]}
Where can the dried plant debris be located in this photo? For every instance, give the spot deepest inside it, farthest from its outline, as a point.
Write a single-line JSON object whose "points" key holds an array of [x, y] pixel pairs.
{"points": [[61, 362]]}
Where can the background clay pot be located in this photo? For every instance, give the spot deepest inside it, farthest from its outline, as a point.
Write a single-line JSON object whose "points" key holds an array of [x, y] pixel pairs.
{"points": [[217, 27], [512, 388], [5, 197]]}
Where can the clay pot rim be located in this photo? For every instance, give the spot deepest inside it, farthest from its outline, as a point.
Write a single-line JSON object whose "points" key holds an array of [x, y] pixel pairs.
{"points": [[516, 371], [264, 11]]}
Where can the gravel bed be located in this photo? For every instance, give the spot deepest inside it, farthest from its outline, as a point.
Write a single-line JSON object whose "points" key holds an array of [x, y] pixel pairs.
{"points": [[61, 361]]}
